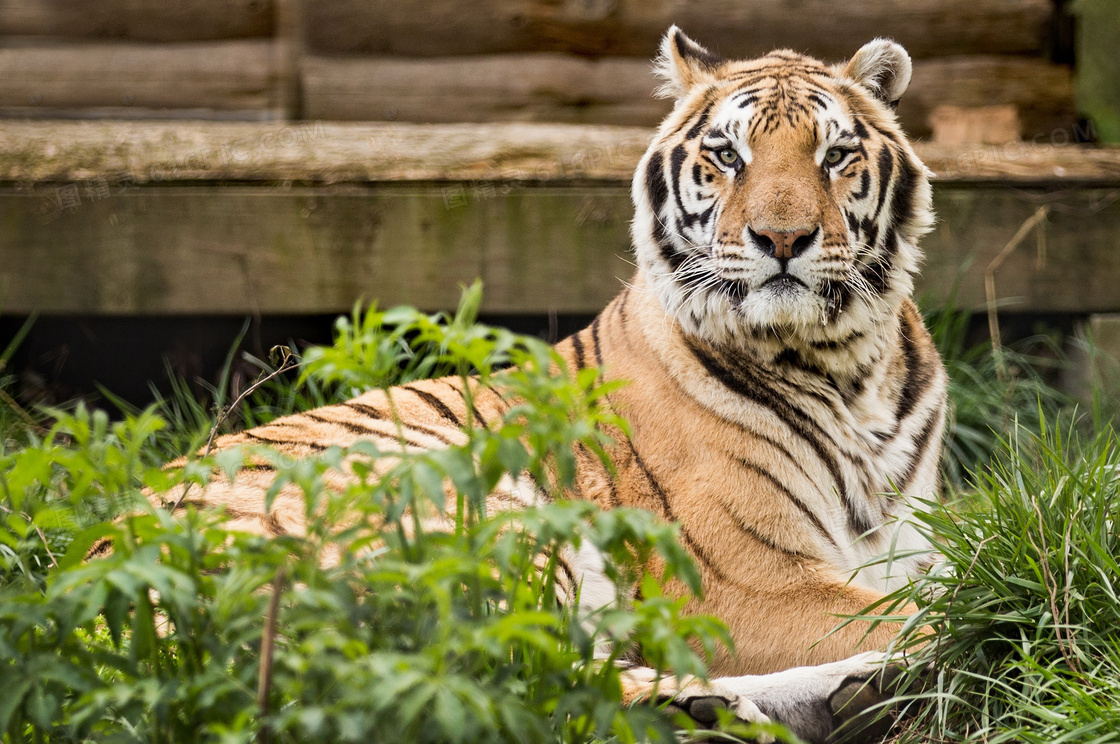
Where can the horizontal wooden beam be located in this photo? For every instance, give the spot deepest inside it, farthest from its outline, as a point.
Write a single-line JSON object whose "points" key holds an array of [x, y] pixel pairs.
{"points": [[197, 20], [566, 88], [126, 80], [102, 247], [317, 152], [633, 27]]}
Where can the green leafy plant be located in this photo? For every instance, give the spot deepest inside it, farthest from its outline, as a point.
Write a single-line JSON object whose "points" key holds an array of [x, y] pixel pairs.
{"points": [[406, 611]]}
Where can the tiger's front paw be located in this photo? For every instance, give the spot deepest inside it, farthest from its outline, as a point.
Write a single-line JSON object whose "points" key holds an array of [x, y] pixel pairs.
{"points": [[838, 702], [707, 704]]}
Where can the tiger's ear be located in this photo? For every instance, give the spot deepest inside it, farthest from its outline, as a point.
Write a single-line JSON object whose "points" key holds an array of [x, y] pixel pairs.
{"points": [[884, 68], [682, 63]]}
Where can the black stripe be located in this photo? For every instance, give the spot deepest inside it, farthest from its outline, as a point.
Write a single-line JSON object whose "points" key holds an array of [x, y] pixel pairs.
{"points": [[837, 295], [377, 415], [692, 51], [478, 419], [783, 449], [676, 164], [700, 122], [438, 436], [362, 408], [577, 345], [351, 427], [669, 516], [865, 185], [438, 405], [100, 547], [612, 494], [837, 343], [595, 341], [902, 200], [624, 301], [658, 191], [226, 509], [877, 271], [314, 447], [747, 100], [916, 375], [792, 358], [815, 98], [757, 470], [656, 188], [757, 536], [563, 566], [798, 422], [272, 523], [886, 170], [921, 444]]}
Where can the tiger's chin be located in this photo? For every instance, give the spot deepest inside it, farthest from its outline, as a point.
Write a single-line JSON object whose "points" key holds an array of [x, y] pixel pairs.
{"points": [[783, 305]]}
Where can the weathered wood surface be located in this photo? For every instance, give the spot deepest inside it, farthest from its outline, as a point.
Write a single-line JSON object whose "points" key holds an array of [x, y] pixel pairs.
{"points": [[132, 80], [137, 20], [318, 152], [1041, 92], [103, 247], [504, 87], [565, 88], [241, 250], [633, 27]]}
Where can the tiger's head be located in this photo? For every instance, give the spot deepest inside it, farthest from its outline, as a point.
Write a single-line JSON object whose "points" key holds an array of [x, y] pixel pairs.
{"points": [[780, 199]]}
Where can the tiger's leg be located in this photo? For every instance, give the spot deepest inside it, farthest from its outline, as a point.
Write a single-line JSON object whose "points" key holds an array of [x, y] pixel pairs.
{"points": [[822, 703], [810, 676]]}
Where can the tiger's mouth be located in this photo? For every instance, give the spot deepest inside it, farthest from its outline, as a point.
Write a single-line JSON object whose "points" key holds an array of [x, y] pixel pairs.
{"points": [[737, 290], [784, 280]]}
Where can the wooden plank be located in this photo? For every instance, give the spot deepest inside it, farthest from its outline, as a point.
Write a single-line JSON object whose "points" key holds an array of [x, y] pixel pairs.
{"points": [[102, 249], [230, 250], [1041, 92], [565, 88], [513, 87], [633, 27], [1075, 269], [233, 78], [316, 152], [319, 152], [288, 52], [137, 20]]}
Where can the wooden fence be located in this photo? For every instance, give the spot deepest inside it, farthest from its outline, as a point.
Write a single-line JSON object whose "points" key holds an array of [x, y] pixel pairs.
{"points": [[577, 61], [188, 218]]}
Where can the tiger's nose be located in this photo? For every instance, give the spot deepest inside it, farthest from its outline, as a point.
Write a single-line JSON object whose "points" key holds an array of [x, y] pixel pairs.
{"points": [[783, 245]]}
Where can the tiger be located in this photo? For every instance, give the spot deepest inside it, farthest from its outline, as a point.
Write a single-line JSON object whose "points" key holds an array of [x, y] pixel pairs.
{"points": [[785, 401]]}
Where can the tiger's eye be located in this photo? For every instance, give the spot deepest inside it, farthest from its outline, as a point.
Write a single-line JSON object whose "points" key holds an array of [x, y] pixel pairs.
{"points": [[728, 156], [833, 156]]}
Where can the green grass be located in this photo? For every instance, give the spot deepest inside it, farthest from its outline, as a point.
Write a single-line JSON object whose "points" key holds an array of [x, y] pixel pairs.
{"points": [[990, 392], [1024, 612]]}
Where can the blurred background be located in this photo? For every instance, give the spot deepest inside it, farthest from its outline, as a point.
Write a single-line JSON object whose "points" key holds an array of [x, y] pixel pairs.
{"points": [[184, 180]]}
